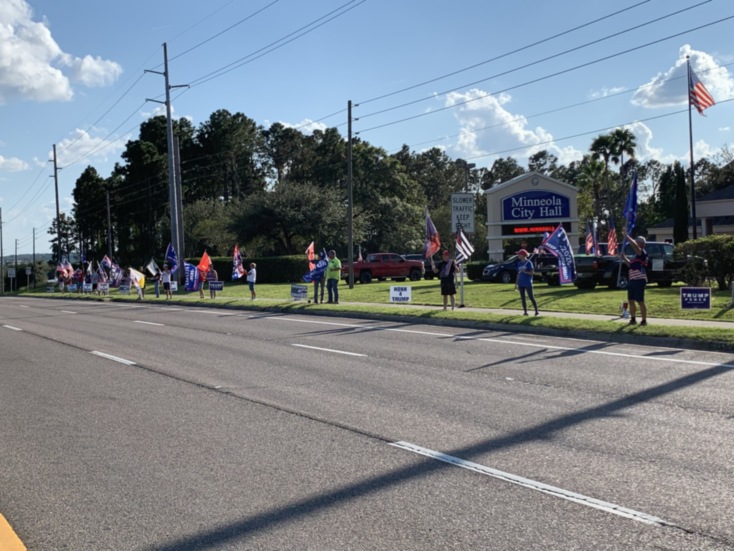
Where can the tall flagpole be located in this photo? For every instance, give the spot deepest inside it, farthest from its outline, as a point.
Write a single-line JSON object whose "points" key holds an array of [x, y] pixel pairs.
{"points": [[690, 142]]}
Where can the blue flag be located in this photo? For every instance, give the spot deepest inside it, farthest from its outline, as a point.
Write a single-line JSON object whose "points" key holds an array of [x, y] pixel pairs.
{"points": [[630, 207], [171, 258], [192, 277], [317, 274], [559, 245]]}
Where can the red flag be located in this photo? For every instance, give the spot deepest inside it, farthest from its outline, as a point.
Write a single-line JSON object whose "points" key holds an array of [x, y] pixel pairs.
{"points": [[310, 257], [699, 96], [205, 264]]}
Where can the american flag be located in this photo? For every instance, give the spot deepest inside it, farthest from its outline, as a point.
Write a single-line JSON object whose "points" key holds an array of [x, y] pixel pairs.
{"points": [[697, 93], [463, 248], [589, 239], [612, 242]]}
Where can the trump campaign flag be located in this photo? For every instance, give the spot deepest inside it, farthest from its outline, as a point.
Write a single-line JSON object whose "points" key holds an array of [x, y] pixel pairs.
{"points": [[630, 206], [192, 277], [238, 270], [310, 256], [171, 258], [205, 264], [433, 241], [559, 245]]}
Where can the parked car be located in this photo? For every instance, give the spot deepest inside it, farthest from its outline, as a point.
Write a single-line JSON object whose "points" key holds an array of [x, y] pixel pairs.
{"points": [[608, 270], [428, 270], [385, 265], [546, 270]]}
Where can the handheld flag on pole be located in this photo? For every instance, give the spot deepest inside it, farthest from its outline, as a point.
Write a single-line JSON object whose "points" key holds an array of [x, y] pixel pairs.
{"points": [[698, 95], [152, 267], [559, 245], [238, 270], [172, 258], [630, 207], [464, 249], [589, 239], [310, 256], [433, 241], [612, 240], [359, 256], [205, 264]]}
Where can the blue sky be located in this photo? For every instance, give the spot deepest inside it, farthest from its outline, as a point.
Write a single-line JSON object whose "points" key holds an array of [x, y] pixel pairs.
{"points": [[480, 79]]}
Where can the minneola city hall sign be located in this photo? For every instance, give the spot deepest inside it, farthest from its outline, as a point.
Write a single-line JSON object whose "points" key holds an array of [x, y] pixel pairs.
{"points": [[528, 206]]}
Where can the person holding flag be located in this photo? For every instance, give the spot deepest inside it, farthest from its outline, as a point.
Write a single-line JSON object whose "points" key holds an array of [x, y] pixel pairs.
{"points": [[524, 281], [446, 271], [637, 278], [205, 264], [166, 279]]}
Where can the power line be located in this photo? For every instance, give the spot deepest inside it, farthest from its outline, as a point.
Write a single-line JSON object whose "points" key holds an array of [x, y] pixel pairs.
{"points": [[501, 56], [546, 77], [537, 62], [252, 56]]}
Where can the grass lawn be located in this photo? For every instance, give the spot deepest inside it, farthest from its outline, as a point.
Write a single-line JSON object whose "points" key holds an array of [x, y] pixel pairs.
{"points": [[662, 303]]}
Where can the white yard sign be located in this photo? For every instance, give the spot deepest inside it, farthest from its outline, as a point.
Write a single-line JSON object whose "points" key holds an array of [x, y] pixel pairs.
{"points": [[400, 294]]}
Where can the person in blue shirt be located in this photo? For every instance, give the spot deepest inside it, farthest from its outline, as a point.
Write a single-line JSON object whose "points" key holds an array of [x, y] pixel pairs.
{"points": [[524, 282]]}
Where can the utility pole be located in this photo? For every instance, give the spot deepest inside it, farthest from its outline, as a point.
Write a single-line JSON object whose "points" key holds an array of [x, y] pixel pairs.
{"points": [[2, 258], [350, 236], [173, 192], [33, 269], [16, 265], [109, 227], [180, 245], [58, 215]]}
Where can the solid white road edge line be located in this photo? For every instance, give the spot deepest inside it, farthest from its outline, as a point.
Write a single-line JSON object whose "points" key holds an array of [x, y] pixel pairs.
{"points": [[13, 328], [329, 350], [67, 312], [150, 323], [534, 485], [520, 343], [113, 358]]}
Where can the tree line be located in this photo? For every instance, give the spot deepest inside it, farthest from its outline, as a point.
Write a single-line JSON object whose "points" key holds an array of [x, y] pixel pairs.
{"points": [[274, 190]]}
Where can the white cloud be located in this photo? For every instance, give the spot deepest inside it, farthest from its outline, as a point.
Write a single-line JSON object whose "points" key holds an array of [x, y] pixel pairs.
{"points": [[32, 64], [487, 127], [12, 164], [306, 126], [605, 92], [670, 89], [84, 148]]}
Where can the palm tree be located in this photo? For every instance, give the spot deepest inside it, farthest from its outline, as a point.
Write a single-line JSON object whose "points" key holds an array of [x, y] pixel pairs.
{"points": [[591, 176], [603, 147], [623, 141]]}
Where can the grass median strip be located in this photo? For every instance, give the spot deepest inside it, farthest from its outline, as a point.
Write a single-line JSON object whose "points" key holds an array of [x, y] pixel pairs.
{"points": [[373, 299]]}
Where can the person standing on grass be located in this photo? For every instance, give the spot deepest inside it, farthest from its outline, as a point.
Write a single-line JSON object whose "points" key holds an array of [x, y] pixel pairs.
{"points": [[157, 283], [446, 271], [636, 278], [166, 279], [251, 279], [333, 275], [212, 276], [524, 281]]}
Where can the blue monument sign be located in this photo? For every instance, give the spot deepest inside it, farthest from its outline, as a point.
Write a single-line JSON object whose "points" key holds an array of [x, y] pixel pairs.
{"points": [[535, 204]]}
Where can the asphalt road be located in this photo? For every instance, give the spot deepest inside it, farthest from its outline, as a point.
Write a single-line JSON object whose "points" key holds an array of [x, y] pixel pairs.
{"points": [[145, 427]]}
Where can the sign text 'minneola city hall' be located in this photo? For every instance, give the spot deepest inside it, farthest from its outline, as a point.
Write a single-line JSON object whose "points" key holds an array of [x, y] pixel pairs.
{"points": [[535, 205]]}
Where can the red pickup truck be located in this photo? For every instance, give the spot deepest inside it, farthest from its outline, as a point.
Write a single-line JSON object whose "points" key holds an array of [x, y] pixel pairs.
{"points": [[384, 265]]}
